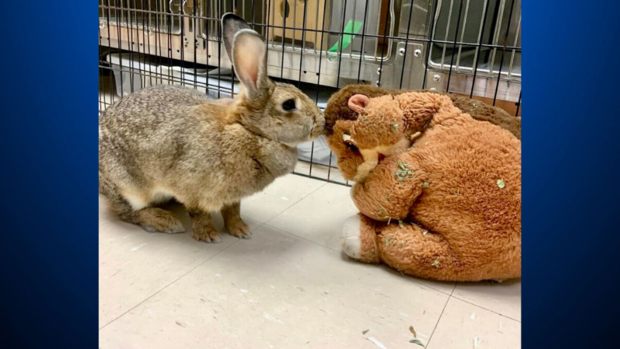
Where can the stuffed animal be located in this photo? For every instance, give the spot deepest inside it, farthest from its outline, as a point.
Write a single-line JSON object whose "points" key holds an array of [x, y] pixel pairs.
{"points": [[439, 192], [338, 109]]}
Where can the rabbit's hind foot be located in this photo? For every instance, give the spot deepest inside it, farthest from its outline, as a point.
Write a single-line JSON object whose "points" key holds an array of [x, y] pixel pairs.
{"points": [[157, 220], [133, 210]]}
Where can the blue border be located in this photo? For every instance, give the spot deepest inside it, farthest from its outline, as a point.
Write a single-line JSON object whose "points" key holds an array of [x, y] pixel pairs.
{"points": [[48, 174], [48, 161], [570, 169]]}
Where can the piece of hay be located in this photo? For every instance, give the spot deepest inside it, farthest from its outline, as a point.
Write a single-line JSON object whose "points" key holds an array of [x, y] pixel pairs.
{"points": [[403, 171], [416, 341], [382, 214], [377, 343], [415, 135]]}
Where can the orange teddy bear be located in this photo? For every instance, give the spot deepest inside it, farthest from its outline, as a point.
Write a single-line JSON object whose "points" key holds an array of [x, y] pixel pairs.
{"points": [[439, 192]]}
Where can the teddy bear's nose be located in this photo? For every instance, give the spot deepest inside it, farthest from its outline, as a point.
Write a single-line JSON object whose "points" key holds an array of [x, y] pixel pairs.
{"points": [[381, 157]]}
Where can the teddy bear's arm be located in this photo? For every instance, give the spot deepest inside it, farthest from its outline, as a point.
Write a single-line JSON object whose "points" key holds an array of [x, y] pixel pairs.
{"points": [[389, 190]]}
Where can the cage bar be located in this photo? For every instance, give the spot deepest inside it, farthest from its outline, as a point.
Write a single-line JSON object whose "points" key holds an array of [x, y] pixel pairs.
{"points": [[469, 47]]}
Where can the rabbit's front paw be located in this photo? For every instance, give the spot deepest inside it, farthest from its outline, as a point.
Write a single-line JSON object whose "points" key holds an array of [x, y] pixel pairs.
{"points": [[202, 227], [233, 222], [206, 234], [238, 228]]}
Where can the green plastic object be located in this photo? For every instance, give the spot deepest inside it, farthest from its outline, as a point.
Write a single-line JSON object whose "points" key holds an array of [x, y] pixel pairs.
{"points": [[352, 27]]}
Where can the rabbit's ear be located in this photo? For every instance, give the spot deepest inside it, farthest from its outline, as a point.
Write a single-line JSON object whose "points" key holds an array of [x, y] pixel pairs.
{"points": [[231, 24], [250, 60], [247, 52]]}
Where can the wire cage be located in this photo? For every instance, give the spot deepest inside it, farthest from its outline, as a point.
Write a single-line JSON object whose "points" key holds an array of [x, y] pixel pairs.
{"points": [[468, 47]]}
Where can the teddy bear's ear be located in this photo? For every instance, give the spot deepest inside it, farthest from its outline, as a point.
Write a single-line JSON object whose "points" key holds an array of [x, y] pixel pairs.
{"points": [[358, 103]]}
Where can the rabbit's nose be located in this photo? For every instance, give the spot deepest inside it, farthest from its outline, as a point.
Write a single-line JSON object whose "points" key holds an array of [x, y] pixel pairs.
{"points": [[320, 120], [318, 127]]}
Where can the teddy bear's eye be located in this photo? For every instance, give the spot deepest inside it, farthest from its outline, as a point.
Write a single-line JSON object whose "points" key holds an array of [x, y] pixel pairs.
{"points": [[351, 146], [349, 142]]}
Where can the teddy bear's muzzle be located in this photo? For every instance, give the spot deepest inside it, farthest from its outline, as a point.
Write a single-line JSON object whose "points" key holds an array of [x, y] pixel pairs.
{"points": [[380, 157]]}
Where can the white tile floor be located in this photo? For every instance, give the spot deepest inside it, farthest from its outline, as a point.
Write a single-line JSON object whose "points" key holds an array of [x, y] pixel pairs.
{"points": [[288, 287]]}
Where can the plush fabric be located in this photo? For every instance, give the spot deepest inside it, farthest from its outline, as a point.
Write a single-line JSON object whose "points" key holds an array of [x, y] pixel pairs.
{"points": [[337, 108], [439, 192]]}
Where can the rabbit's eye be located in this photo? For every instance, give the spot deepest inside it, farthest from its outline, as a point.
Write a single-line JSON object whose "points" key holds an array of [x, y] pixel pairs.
{"points": [[288, 105]]}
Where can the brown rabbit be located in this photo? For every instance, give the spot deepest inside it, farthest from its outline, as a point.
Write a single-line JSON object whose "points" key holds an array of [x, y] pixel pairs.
{"points": [[173, 142]]}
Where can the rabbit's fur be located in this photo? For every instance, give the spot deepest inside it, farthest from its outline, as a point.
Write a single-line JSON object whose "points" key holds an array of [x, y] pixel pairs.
{"points": [[168, 142]]}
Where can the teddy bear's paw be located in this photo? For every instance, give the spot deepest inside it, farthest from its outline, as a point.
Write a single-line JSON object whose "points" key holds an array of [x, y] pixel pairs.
{"points": [[350, 238]]}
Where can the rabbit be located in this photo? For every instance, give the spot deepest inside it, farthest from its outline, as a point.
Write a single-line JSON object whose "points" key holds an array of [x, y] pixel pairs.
{"points": [[169, 142]]}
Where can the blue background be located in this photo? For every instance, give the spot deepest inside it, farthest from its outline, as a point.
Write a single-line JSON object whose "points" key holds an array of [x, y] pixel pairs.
{"points": [[570, 144], [48, 174]]}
